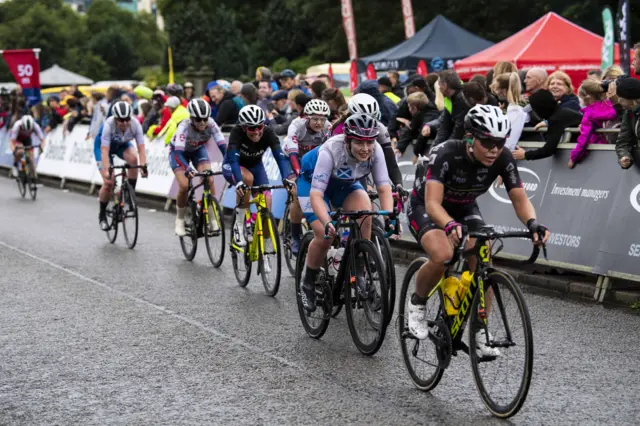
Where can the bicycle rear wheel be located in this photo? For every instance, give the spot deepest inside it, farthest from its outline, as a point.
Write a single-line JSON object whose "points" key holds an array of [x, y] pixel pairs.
{"points": [[421, 357], [129, 215], [366, 299], [509, 327], [189, 242], [285, 238], [112, 214], [240, 259], [214, 240], [384, 248], [270, 261]]}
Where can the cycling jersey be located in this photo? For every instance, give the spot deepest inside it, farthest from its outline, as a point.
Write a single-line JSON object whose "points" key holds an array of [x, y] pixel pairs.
{"points": [[188, 140], [300, 140], [113, 137], [18, 134]]}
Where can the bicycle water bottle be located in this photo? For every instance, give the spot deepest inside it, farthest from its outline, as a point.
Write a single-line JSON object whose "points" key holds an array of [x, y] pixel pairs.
{"points": [[451, 298], [344, 237], [330, 259], [465, 282]]}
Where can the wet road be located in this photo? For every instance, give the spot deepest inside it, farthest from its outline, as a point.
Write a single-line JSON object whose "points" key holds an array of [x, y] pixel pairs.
{"points": [[94, 333]]}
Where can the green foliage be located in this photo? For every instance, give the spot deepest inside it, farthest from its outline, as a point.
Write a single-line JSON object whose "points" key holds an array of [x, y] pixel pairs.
{"points": [[155, 76]]}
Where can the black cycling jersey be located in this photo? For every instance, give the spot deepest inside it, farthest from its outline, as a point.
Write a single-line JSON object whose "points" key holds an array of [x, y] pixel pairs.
{"points": [[464, 178], [251, 152]]}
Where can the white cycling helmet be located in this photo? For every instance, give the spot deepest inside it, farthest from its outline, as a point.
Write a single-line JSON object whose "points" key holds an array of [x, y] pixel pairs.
{"points": [[316, 107], [198, 108], [251, 115], [122, 110], [487, 122], [363, 103], [28, 123]]}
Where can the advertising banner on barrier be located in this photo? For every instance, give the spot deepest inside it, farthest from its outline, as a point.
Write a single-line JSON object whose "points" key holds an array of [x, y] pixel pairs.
{"points": [[6, 156], [53, 161], [81, 160], [160, 176]]}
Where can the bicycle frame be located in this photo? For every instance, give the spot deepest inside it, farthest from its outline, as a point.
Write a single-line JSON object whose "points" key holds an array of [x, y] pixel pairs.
{"points": [[206, 191]]}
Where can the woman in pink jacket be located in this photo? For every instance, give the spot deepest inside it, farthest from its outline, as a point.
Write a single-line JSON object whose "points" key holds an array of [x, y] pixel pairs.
{"points": [[597, 110]]}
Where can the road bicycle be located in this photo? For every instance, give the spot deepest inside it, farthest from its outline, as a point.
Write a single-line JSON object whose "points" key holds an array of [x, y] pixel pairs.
{"points": [[27, 177], [123, 207], [495, 304], [284, 228], [201, 218], [360, 285]]}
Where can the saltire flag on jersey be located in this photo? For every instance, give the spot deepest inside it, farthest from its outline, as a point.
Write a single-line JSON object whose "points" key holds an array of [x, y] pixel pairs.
{"points": [[422, 68], [25, 67]]}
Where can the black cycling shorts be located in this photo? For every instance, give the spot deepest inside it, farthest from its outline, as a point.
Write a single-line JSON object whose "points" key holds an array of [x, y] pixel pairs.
{"points": [[420, 223]]}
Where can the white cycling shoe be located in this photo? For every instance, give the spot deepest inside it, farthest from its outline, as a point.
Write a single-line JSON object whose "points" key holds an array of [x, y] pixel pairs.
{"points": [[418, 321], [481, 346], [179, 230]]}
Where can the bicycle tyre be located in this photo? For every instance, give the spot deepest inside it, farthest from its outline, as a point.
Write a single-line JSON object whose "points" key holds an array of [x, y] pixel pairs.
{"points": [[270, 289], [285, 233], [430, 383], [243, 280], [377, 236], [22, 183], [507, 410], [33, 188], [216, 260], [318, 331], [352, 301], [191, 225], [129, 217], [113, 217]]}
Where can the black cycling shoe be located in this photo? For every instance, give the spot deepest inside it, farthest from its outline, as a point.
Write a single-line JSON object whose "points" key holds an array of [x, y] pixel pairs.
{"points": [[308, 297]]}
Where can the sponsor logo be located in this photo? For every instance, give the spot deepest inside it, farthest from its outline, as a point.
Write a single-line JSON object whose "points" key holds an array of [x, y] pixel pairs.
{"points": [[321, 177], [634, 198], [530, 184]]}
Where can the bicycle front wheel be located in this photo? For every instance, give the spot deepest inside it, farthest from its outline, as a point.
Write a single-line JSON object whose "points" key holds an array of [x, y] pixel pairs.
{"points": [[240, 259], [189, 242], [129, 215], [503, 380], [22, 183], [33, 188], [214, 232], [112, 213], [270, 262], [366, 298], [382, 245]]}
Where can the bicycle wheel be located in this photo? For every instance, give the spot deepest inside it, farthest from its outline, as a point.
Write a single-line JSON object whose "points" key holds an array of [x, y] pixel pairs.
{"points": [[384, 248], [129, 215], [214, 240], [270, 261], [189, 242], [240, 259], [33, 188], [421, 357], [509, 329], [112, 213], [365, 299], [285, 232], [315, 323], [22, 183]]}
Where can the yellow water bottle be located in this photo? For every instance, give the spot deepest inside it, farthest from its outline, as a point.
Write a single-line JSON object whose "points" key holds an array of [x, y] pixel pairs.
{"points": [[465, 282], [451, 299]]}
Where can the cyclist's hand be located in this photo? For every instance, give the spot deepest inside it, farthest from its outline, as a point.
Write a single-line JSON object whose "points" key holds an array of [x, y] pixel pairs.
{"points": [[145, 171], [539, 232], [241, 188], [390, 226], [189, 173], [329, 230], [625, 162], [290, 183], [454, 232], [106, 173]]}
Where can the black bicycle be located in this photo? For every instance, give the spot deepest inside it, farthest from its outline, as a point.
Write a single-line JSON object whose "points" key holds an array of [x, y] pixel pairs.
{"points": [[360, 285], [498, 313], [27, 174], [203, 218], [123, 208], [284, 227]]}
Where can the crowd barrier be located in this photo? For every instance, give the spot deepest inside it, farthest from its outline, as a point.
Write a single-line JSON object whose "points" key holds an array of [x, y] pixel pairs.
{"points": [[592, 210]]}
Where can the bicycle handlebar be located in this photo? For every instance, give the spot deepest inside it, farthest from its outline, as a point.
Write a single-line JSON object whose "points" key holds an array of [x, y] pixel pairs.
{"points": [[206, 173], [337, 215]]}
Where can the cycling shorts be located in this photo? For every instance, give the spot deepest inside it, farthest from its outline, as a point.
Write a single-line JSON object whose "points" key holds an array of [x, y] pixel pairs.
{"points": [[337, 191], [25, 143], [113, 150], [196, 157], [258, 171], [420, 223]]}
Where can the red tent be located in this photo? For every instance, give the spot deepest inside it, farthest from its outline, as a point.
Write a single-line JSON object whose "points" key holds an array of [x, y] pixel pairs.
{"points": [[551, 42]]}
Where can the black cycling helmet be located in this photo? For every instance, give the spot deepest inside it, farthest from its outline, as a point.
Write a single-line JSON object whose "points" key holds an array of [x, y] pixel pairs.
{"points": [[361, 127]]}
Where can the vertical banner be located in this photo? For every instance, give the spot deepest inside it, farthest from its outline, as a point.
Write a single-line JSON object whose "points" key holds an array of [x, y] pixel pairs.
{"points": [[407, 17], [170, 59], [609, 39], [422, 68], [353, 76], [623, 21], [331, 76], [25, 67], [371, 72], [349, 28]]}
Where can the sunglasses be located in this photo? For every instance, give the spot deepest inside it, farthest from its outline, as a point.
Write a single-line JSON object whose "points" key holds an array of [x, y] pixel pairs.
{"points": [[254, 129], [123, 120], [489, 144], [199, 120]]}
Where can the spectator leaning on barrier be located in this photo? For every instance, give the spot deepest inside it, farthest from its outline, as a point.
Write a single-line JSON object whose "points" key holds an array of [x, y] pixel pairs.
{"points": [[178, 113], [282, 114], [596, 112], [384, 85], [153, 117], [415, 83], [507, 87], [227, 111], [337, 104], [560, 86], [421, 112], [451, 121], [545, 105], [628, 91], [396, 88], [388, 109]]}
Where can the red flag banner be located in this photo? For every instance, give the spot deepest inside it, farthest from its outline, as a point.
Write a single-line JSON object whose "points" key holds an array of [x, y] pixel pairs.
{"points": [[353, 76], [349, 28], [371, 72], [331, 76], [422, 68], [25, 67], [407, 16]]}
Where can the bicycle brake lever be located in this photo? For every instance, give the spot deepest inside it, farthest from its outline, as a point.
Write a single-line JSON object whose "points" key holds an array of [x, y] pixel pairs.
{"points": [[544, 251]]}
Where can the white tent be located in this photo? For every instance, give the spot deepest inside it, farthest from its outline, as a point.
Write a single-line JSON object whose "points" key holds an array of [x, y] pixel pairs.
{"points": [[57, 76]]}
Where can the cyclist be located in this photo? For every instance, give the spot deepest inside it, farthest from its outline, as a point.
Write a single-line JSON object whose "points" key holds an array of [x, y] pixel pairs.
{"points": [[304, 134], [242, 165], [189, 144], [114, 138], [20, 136], [458, 172], [331, 174]]}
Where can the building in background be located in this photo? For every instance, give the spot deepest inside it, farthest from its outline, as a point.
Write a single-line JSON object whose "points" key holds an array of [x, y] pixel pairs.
{"points": [[151, 6], [133, 6]]}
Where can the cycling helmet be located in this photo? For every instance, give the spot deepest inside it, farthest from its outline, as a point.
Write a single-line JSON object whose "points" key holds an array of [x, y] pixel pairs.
{"points": [[251, 115], [121, 110], [198, 108], [487, 122], [361, 127], [28, 123], [316, 107], [174, 90], [363, 103]]}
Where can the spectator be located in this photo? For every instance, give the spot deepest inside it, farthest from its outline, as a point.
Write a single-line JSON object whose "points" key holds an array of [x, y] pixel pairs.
{"points": [[475, 93], [144, 107], [415, 83], [609, 77], [56, 112], [99, 108], [635, 64], [178, 113], [287, 82], [236, 86], [535, 80], [249, 94], [299, 102], [431, 83], [418, 104], [170, 105], [153, 117], [396, 88], [489, 79], [208, 97], [628, 92], [504, 67], [508, 87], [596, 73], [388, 109], [596, 112], [317, 87], [280, 116], [227, 109], [480, 79], [40, 114], [337, 104], [326, 78], [559, 84], [451, 121], [188, 91], [264, 95], [385, 86], [545, 105]]}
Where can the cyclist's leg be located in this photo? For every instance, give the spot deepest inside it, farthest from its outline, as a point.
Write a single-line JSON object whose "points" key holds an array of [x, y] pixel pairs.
{"points": [[181, 196], [128, 153], [354, 197], [295, 217], [260, 178], [241, 203], [201, 161]]}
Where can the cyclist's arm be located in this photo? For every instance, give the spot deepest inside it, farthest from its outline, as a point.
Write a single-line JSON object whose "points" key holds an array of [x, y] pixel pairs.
{"points": [[521, 204], [321, 175], [380, 176], [139, 137], [38, 131], [233, 157], [384, 139], [291, 146], [217, 136], [13, 135], [278, 155]]}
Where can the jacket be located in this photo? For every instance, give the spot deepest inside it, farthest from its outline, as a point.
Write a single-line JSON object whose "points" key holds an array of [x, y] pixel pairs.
{"points": [[179, 114], [629, 136], [388, 109], [558, 120], [227, 110], [570, 102], [452, 123], [593, 118]]}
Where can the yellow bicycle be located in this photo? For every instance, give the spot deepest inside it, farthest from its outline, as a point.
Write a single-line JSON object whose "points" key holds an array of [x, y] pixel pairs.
{"points": [[263, 244]]}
